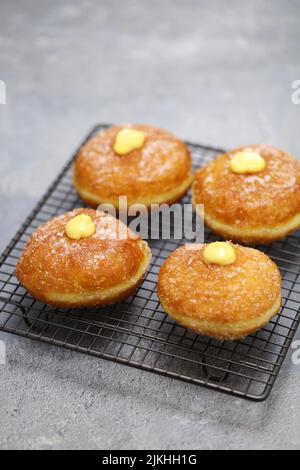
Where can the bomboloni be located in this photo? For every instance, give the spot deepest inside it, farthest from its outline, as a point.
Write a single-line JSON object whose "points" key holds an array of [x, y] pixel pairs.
{"points": [[222, 290], [83, 258], [250, 194], [146, 164]]}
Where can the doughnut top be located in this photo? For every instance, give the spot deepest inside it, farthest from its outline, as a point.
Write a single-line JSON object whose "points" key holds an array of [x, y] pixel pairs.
{"points": [[161, 164], [52, 262], [266, 198], [238, 291]]}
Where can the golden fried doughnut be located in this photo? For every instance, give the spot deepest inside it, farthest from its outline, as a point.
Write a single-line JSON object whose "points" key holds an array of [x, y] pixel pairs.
{"points": [[251, 207], [221, 301], [98, 270], [158, 172]]}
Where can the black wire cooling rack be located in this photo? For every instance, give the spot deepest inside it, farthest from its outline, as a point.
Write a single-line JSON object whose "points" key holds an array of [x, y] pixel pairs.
{"points": [[137, 332]]}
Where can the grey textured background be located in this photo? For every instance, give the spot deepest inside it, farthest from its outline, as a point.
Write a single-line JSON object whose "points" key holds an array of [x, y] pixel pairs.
{"points": [[211, 71]]}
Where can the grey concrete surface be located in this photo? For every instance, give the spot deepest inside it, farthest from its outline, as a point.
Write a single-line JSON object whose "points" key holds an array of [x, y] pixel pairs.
{"points": [[211, 71]]}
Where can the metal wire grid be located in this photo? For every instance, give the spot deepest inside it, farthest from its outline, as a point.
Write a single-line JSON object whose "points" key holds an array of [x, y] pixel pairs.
{"points": [[137, 332]]}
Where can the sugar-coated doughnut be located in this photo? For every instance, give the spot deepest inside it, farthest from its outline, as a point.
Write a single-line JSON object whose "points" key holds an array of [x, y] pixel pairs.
{"points": [[149, 167], [223, 301], [258, 205], [83, 258]]}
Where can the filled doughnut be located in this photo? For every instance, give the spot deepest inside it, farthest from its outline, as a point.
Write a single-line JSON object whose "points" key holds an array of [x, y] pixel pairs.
{"points": [[144, 163], [83, 258], [220, 290], [250, 194]]}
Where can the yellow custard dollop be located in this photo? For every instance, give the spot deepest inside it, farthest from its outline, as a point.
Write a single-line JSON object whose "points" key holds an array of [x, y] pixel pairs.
{"points": [[247, 162], [128, 140], [220, 253], [80, 226]]}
